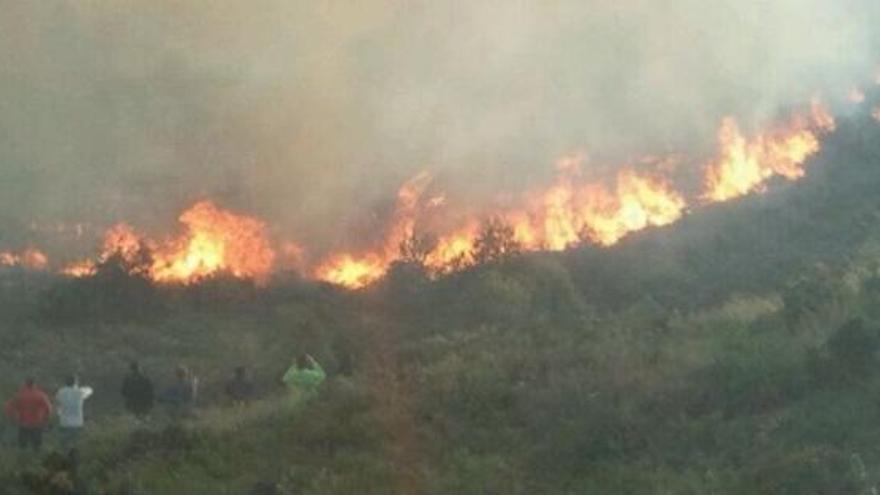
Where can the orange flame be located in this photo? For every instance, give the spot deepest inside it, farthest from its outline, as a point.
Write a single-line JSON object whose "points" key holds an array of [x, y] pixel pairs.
{"points": [[570, 211], [79, 269], [214, 241], [356, 271], [453, 251], [745, 165], [640, 201], [352, 273], [30, 258]]}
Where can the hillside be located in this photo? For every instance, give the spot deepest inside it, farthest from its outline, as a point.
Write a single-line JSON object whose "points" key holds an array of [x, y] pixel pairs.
{"points": [[732, 352]]}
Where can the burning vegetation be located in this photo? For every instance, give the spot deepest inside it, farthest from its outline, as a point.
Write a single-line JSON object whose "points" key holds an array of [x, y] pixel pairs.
{"points": [[30, 258], [213, 241], [745, 165], [577, 208]]}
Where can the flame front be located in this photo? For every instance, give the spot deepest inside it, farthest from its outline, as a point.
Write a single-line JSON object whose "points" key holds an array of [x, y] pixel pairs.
{"points": [[745, 165], [572, 210], [640, 201]]}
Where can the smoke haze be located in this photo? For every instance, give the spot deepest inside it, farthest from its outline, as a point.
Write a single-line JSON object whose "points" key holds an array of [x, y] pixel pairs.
{"points": [[310, 114]]}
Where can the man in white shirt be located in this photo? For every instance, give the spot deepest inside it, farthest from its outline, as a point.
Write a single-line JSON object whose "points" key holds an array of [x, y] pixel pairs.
{"points": [[70, 399]]}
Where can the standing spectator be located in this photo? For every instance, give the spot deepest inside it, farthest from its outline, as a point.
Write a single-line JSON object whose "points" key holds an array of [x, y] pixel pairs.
{"points": [[181, 396], [137, 391], [30, 409], [240, 389], [70, 399], [303, 380]]}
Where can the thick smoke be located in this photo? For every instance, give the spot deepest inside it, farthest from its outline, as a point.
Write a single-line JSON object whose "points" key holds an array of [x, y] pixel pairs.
{"points": [[309, 114]]}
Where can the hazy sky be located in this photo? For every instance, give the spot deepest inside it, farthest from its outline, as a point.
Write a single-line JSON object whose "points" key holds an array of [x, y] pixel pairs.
{"points": [[311, 113]]}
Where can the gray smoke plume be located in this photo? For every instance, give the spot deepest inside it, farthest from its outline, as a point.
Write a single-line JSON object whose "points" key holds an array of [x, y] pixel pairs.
{"points": [[309, 114]]}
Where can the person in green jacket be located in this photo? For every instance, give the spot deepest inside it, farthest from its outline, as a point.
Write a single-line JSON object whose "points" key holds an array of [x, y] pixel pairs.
{"points": [[303, 380]]}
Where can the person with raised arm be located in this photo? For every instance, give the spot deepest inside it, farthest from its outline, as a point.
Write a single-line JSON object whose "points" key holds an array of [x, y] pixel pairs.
{"points": [[303, 380], [70, 400]]}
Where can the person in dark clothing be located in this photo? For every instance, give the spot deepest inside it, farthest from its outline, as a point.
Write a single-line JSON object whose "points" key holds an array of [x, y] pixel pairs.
{"points": [[181, 396], [240, 389], [137, 391]]}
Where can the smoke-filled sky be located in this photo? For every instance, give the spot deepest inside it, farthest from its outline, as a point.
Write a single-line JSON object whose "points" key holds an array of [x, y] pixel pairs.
{"points": [[311, 113]]}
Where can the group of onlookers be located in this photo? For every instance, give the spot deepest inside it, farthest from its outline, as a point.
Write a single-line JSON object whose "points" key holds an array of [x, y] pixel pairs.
{"points": [[31, 409]]}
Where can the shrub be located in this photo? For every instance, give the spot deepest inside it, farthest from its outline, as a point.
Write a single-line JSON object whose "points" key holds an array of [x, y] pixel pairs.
{"points": [[853, 348]]}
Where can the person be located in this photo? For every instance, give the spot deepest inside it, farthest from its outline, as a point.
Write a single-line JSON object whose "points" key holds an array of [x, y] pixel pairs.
{"points": [[181, 396], [70, 399], [303, 380], [137, 391], [30, 409], [240, 390]]}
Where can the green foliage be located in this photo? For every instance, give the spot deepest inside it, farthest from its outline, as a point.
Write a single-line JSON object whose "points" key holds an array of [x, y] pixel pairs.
{"points": [[853, 348], [811, 295]]}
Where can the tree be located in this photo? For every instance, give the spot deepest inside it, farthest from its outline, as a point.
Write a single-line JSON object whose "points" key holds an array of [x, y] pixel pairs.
{"points": [[415, 248], [496, 242]]}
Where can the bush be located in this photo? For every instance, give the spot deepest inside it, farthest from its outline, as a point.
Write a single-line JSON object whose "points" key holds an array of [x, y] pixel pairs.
{"points": [[853, 348]]}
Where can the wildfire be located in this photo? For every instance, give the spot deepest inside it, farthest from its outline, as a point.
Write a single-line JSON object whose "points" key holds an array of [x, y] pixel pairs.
{"points": [[559, 222], [32, 259], [356, 271], [293, 257], [214, 241], [745, 165], [575, 208], [640, 201], [79, 269], [453, 251], [353, 273], [573, 211]]}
